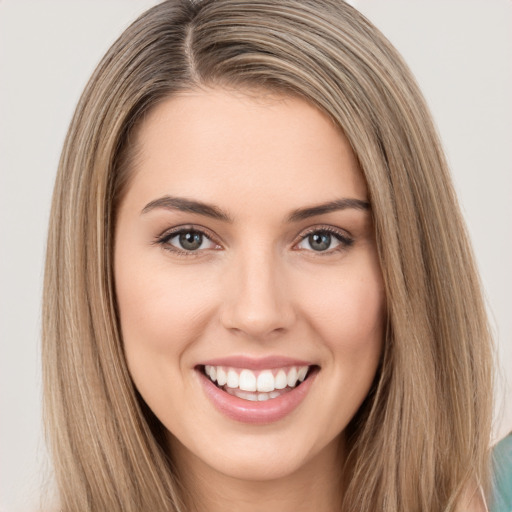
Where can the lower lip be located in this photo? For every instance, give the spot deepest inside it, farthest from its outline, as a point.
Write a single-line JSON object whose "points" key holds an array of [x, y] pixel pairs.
{"points": [[245, 411]]}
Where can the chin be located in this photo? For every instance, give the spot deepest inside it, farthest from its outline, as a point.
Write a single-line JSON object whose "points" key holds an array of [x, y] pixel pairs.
{"points": [[261, 457]]}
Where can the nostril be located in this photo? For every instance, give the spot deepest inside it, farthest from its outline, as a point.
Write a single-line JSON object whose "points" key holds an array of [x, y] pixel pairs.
{"points": [[258, 310]]}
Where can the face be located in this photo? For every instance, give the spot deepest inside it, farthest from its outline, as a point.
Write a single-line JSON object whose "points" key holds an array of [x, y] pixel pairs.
{"points": [[249, 291]]}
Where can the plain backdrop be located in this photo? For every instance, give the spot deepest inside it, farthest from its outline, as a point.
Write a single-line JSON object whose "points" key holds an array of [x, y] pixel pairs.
{"points": [[460, 52]]}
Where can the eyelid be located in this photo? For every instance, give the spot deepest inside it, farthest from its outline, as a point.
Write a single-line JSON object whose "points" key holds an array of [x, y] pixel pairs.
{"points": [[325, 227]]}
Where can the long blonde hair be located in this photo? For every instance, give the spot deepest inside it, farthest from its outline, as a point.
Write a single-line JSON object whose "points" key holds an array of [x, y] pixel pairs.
{"points": [[422, 434]]}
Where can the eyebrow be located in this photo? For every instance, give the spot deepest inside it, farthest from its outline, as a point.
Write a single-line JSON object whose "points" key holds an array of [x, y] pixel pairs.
{"points": [[188, 205], [209, 210], [331, 206]]}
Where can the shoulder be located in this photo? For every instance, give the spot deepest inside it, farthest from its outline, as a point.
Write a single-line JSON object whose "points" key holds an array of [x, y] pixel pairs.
{"points": [[502, 475]]}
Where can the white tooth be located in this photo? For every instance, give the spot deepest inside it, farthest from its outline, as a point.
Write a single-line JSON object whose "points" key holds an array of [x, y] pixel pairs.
{"points": [[262, 397], [207, 369], [232, 380], [213, 373], [292, 377], [303, 370], [280, 380], [274, 394], [246, 395], [265, 381], [222, 376], [247, 381]]}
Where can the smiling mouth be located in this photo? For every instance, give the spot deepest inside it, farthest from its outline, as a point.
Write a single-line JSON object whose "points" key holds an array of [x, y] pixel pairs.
{"points": [[257, 386]]}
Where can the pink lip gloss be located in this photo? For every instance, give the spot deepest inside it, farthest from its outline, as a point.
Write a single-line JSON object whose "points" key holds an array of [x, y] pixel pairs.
{"points": [[263, 412]]}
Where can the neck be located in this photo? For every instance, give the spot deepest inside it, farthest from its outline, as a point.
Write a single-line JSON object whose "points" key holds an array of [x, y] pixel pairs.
{"points": [[316, 485]]}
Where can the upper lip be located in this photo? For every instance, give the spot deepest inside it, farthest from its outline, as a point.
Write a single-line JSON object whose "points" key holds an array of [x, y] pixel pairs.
{"points": [[252, 363]]}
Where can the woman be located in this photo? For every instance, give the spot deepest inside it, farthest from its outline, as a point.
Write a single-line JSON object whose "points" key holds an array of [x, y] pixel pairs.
{"points": [[259, 292]]}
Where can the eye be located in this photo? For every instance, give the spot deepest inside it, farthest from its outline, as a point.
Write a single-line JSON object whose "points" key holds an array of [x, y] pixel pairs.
{"points": [[186, 241], [325, 240]]}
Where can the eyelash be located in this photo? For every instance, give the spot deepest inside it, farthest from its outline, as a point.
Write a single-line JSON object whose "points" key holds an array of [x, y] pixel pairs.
{"points": [[164, 239], [345, 240]]}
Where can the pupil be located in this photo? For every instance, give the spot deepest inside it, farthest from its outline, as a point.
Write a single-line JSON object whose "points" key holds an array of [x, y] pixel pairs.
{"points": [[191, 240], [320, 241]]}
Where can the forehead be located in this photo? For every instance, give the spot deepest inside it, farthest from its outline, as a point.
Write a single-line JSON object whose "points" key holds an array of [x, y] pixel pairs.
{"points": [[246, 148]]}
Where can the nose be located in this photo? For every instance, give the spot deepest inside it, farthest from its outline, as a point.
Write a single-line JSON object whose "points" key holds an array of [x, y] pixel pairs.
{"points": [[259, 302]]}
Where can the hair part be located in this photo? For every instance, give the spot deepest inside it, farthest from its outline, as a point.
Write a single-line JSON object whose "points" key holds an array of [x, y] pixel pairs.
{"points": [[422, 434]]}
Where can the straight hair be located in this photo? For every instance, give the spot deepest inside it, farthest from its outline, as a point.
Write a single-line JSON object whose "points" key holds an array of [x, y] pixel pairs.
{"points": [[421, 437]]}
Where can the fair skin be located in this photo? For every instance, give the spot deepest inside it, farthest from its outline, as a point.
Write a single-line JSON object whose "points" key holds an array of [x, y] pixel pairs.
{"points": [[258, 282]]}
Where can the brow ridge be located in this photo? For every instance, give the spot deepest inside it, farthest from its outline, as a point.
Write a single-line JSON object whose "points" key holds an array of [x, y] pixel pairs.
{"points": [[331, 206], [187, 205], [209, 210]]}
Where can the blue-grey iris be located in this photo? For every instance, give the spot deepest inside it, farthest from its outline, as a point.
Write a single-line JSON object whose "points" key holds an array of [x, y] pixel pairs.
{"points": [[191, 240], [320, 241]]}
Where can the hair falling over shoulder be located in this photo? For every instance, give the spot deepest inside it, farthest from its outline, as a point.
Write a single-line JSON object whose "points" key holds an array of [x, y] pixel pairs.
{"points": [[422, 435]]}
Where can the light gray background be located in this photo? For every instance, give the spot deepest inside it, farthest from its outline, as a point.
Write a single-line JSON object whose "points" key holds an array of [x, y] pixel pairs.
{"points": [[460, 52]]}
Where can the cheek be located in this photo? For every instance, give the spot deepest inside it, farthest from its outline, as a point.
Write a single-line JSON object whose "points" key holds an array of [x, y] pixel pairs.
{"points": [[350, 313], [161, 315], [348, 320], [160, 308]]}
